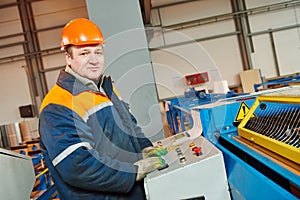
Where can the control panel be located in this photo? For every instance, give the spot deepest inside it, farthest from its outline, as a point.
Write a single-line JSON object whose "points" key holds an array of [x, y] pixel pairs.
{"points": [[195, 170]]}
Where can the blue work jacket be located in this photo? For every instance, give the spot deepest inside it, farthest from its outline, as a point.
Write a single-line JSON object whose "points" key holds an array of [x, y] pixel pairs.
{"points": [[88, 150]]}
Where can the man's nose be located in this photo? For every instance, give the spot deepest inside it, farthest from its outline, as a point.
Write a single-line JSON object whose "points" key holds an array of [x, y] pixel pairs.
{"points": [[94, 58]]}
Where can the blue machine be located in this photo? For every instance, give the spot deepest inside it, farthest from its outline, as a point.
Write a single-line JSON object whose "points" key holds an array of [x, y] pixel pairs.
{"points": [[281, 81], [178, 109], [250, 173]]}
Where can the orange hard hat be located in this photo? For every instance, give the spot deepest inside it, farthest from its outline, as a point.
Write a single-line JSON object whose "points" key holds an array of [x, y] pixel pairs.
{"points": [[81, 31]]}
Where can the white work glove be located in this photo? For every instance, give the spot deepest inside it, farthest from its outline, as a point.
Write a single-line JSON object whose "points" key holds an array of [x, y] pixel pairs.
{"points": [[154, 152], [148, 165]]}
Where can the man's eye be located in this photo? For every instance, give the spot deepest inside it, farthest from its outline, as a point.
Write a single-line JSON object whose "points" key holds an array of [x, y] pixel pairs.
{"points": [[99, 53], [83, 53]]}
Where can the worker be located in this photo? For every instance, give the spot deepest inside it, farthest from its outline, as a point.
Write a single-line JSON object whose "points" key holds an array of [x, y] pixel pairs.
{"points": [[90, 141]]}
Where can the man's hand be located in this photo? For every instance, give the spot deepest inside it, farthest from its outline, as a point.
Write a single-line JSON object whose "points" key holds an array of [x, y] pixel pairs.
{"points": [[154, 152], [148, 165]]}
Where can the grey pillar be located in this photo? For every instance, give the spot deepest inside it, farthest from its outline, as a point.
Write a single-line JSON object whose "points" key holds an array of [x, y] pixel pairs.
{"points": [[127, 59]]}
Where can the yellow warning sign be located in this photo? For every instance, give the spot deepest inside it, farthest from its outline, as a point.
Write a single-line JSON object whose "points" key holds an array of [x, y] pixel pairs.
{"points": [[243, 110]]}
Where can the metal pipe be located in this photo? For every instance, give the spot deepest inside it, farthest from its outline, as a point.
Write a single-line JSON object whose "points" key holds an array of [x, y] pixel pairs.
{"points": [[11, 36], [198, 22], [163, 35], [274, 53], [240, 37], [245, 29], [48, 28], [9, 5], [30, 1], [250, 47], [195, 23], [12, 44], [18, 34], [274, 30], [34, 31], [16, 3], [30, 83], [20, 57], [34, 63], [196, 40], [228, 16], [52, 69], [173, 4], [42, 78]]}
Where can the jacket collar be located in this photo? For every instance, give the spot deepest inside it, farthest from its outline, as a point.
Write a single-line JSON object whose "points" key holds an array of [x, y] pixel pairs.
{"points": [[72, 84]]}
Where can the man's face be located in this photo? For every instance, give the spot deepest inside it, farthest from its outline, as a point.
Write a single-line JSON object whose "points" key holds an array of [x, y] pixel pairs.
{"points": [[87, 60]]}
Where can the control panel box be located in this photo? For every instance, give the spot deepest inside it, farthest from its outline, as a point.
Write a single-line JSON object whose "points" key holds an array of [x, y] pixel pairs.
{"points": [[195, 171], [17, 175]]}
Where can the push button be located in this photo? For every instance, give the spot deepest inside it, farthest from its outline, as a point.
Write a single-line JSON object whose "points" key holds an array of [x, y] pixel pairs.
{"points": [[197, 151], [182, 159], [192, 144]]}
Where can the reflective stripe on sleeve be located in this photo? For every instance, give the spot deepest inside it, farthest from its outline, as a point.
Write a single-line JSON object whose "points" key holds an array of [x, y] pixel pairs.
{"points": [[68, 151], [95, 109]]}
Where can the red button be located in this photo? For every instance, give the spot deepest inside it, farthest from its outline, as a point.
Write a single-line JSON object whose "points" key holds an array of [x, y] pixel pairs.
{"points": [[197, 150]]}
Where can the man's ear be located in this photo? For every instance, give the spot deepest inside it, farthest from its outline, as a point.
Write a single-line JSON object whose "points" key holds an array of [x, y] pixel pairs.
{"points": [[68, 58]]}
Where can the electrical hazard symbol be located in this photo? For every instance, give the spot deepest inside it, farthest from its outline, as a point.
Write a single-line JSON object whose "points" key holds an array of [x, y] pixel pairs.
{"points": [[243, 111]]}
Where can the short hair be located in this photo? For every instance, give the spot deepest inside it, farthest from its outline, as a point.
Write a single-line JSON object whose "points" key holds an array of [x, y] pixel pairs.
{"points": [[69, 50]]}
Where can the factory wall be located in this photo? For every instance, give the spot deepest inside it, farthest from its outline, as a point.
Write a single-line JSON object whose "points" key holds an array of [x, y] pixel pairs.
{"points": [[275, 26], [200, 36], [214, 47], [14, 77]]}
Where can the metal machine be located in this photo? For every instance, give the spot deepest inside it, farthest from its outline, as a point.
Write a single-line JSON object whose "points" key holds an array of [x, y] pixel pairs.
{"points": [[272, 129], [195, 169], [17, 175], [262, 155], [258, 135]]}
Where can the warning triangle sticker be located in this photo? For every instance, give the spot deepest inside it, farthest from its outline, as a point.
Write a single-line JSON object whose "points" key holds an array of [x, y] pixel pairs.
{"points": [[243, 111]]}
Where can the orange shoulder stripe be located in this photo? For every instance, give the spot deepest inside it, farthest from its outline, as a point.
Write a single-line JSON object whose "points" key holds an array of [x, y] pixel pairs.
{"points": [[80, 103]]}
